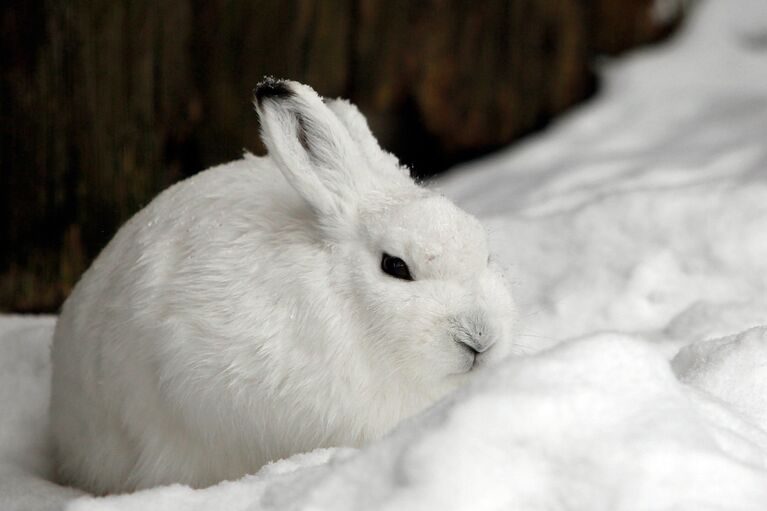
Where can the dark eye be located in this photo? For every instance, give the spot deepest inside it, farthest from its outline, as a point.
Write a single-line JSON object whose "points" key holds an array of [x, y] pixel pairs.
{"points": [[395, 267]]}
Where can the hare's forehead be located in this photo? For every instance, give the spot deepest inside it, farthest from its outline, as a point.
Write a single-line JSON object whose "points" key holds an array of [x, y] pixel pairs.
{"points": [[434, 232]]}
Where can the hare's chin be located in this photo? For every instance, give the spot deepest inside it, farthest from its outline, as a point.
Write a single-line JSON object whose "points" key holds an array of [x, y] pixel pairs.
{"points": [[469, 362], [472, 363]]}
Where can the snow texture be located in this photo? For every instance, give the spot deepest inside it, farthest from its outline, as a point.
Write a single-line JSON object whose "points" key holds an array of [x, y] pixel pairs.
{"points": [[634, 231]]}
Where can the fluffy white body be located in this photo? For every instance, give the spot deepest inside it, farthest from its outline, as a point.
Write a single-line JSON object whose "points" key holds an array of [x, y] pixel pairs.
{"points": [[246, 314]]}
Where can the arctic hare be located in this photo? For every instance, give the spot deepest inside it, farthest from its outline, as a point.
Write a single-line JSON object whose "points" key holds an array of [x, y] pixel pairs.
{"points": [[271, 306]]}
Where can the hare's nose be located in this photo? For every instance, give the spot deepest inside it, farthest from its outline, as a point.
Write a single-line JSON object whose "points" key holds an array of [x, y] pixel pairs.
{"points": [[472, 331], [473, 347]]}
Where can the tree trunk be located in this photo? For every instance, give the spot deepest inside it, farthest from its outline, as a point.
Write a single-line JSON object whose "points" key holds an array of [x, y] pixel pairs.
{"points": [[105, 103]]}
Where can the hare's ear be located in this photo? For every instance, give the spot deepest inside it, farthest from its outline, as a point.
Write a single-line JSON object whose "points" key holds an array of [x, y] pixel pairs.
{"points": [[311, 146], [359, 130]]}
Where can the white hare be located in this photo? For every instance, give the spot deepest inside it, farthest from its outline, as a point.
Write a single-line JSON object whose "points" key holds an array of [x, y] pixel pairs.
{"points": [[271, 306]]}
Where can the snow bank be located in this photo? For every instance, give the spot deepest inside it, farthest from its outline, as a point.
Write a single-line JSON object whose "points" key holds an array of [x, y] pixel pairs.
{"points": [[732, 369], [599, 423], [633, 228], [24, 450], [645, 210]]}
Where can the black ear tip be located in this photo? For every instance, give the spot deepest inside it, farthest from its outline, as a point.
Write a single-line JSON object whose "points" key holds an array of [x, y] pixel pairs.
{"points": [[271, 87]]}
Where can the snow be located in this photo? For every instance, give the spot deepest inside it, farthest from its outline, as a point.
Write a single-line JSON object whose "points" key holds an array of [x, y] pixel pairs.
{"points": [[634, 235], [666, 11], [24, 450], [731, 369]]}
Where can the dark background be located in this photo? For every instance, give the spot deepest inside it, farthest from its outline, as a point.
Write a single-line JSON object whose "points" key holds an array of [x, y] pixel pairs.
{"points": [[105, 103]]}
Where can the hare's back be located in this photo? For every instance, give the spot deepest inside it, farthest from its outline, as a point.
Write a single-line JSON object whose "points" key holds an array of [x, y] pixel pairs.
{"points": [[200, 237]]}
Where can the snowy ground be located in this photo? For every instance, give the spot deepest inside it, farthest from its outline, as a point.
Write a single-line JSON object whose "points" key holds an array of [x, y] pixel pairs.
{"points": [[633, 228]]}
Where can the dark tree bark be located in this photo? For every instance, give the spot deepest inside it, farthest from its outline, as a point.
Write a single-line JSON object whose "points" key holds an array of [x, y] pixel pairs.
{"points": [[105, 103]]}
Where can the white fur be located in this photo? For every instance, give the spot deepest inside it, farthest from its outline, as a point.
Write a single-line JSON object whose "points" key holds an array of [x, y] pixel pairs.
{"points": [[243, 315]]}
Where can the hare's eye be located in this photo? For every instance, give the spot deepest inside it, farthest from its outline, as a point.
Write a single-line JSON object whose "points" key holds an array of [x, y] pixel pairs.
{"points": [[395, 267]]}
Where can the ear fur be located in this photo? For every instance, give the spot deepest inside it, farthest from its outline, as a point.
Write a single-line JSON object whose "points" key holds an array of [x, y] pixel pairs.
{"points": [[313, 149], [359, 130]]}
